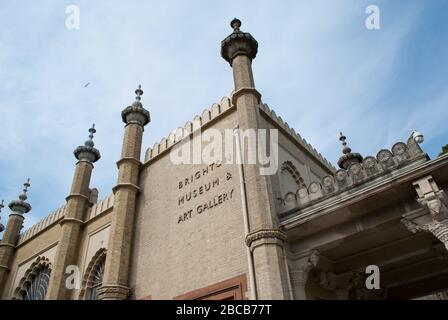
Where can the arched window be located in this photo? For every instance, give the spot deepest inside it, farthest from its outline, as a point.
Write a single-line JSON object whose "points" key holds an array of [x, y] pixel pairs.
{"points": [[97, 281], [34, 284], [37, 288], [93, 276]]}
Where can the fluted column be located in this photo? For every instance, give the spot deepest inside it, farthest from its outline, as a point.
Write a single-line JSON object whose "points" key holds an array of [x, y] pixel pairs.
{"points": [[115, 281], [77, 204], [11, 234], [239, 49]]}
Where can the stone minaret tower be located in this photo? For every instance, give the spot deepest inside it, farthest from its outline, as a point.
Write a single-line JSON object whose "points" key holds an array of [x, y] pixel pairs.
{"points": [[264, 239], [72, 223], [115, 281], [12, 232]]}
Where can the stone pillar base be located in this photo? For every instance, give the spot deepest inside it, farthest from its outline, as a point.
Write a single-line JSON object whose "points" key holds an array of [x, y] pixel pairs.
{"points": [[113, 292]]}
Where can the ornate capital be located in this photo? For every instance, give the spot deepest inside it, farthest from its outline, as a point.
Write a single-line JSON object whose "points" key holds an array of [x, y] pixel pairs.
{"points": [[136, 114], [238, 43], [87, 153], [19, 206], [263, 234]]}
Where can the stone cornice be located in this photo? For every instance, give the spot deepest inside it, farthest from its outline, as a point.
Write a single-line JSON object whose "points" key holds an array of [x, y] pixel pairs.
{"points": [[337, 201]]}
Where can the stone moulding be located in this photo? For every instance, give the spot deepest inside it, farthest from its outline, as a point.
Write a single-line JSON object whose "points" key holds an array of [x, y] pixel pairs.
{"points": [[265, 233], [115, 292]]}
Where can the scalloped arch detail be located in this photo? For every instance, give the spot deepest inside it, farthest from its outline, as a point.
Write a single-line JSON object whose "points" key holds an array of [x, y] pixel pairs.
{"points": [[40, 263], [291, 168]]}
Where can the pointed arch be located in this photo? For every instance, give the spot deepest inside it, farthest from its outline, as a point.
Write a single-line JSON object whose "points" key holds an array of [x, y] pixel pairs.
{"points": [[34, 284], [93, 276], [291, 168], [290, 179]]}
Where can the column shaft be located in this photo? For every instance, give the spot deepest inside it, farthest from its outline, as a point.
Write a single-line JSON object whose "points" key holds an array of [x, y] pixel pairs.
{"points": [[116, 282], [68, 247], [7, 247], [268, 257]]}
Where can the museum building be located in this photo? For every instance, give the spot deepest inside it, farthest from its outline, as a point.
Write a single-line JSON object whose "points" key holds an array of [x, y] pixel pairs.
{"points": [[225, 231]]}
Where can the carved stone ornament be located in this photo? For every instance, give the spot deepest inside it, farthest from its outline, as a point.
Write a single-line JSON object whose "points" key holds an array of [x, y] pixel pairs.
{"points": [[265, 233]]}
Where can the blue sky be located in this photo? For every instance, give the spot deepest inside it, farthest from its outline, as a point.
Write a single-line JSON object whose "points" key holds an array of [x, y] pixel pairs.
{"points": [[318, 67]]}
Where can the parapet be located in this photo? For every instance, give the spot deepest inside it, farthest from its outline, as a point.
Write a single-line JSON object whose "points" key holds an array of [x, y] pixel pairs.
{"points": [[357, 174], [57, 215]]}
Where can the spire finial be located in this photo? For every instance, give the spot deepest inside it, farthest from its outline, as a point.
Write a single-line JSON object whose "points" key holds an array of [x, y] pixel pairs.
{"points": [[342, 138], [139, 93], [348, 157], [89, 142], [235, 24], [23, 196]]}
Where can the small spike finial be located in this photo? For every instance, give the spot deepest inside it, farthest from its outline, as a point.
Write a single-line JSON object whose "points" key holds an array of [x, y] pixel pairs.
{"points": [[139, 93], [89, 142], [235, 24], [345, 148], [26, 185]]}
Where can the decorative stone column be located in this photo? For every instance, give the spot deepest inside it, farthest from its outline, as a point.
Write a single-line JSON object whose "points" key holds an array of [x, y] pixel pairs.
{"points": [[11, 235], [115, 281], [68, 249], [239, 49], [435, 218]]}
